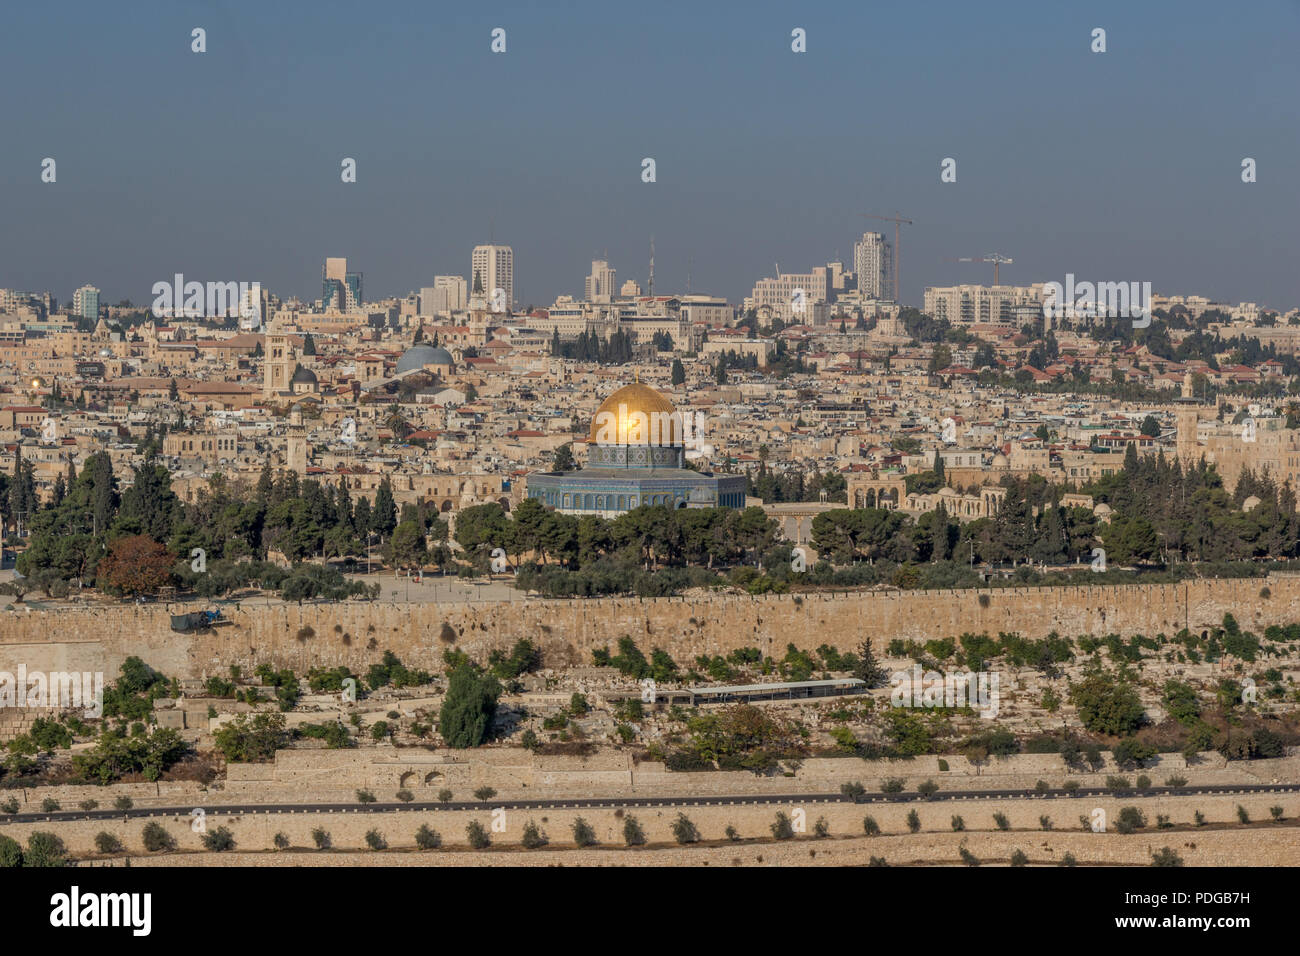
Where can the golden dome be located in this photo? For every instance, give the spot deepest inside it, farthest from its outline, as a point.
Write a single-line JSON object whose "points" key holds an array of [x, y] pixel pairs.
{"points": [[636, 415]]}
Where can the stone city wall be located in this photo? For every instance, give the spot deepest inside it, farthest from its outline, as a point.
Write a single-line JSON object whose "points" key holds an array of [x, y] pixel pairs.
{"points": [[356, 634]]}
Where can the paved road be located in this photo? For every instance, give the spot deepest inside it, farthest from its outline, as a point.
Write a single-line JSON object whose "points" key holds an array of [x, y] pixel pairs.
{"points": [[598, 803]]}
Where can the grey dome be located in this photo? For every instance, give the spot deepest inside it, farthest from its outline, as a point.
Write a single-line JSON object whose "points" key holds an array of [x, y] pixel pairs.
{"points": [[304, 376], [418, 356]]}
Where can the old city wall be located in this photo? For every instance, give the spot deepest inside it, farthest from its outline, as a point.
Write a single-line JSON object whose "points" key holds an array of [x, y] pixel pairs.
{"points": [[356, 634]]}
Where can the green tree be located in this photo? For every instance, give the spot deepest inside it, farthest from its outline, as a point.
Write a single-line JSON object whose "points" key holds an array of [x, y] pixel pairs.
{"points": [[407, 547], [383, 517], [564, 458], [467, 711]]}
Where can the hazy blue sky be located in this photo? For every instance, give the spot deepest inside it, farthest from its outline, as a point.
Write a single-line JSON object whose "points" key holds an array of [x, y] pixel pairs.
{"points": [[225, 165]]}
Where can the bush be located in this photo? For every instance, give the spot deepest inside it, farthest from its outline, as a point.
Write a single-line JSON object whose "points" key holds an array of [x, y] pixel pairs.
{"points": [[870, 826], [1042, 786], [1143, 782], [821, 829], [533, 836], [280, 841], [1001, 820], [50, 805], [1118, 783], [321, 838], [913, 821], [405, 796], [375, 840], [1242, 815], [583, 833], [854, 791], [781, 828], [478, 837], [633, 835], [958, 824], [45, 850], [1276, 814], [1045, 822], [1166, 857], [1068, 860], [365, 796], [891, 785], [218, 840], [1019, 858], [1176, 781], [11, 852], [426, 838], [9, 806], [1131, 752], [928, 789], [105, 842], [967, 857], [156, 839], [484, 794], [1107, 704], [89, 805], [684, 831], [1130, 819], [123, 803], [444, 795]]}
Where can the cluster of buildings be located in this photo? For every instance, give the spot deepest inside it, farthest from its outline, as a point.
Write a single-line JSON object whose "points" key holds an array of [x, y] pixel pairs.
{"points": [[457, 398]]}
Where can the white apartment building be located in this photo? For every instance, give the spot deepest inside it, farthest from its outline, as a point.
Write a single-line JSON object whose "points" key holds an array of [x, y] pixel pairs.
{"points": [[600, 284], [447, 295], [981, 304], [495, 267], [873, 262]]}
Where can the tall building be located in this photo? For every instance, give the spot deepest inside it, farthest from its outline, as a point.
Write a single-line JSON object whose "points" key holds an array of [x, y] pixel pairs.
{"points": [[85, 302], [340, 289], [446, 295], [873, 261], [600, 284], [495, 267], [277, 364]]}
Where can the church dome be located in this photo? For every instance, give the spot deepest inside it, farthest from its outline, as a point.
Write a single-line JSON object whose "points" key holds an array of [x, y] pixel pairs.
{"points": [[636, 415], [418, 356], [304, 376]]}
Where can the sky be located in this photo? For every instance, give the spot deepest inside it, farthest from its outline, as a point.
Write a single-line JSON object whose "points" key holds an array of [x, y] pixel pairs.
{"points": [[225, 165]]}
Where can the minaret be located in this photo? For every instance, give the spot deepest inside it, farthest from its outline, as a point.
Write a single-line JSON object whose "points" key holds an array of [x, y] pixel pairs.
{"points": [[297, 449], [478, 311], [1186, 446], [652, 267]]}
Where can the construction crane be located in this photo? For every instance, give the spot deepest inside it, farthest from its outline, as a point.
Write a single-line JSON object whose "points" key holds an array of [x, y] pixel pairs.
{"points": [[897, 220], [995, 258]]}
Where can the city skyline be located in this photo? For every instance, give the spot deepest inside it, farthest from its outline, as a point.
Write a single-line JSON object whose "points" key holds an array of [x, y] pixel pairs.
{"points": [[1117, 163]]}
